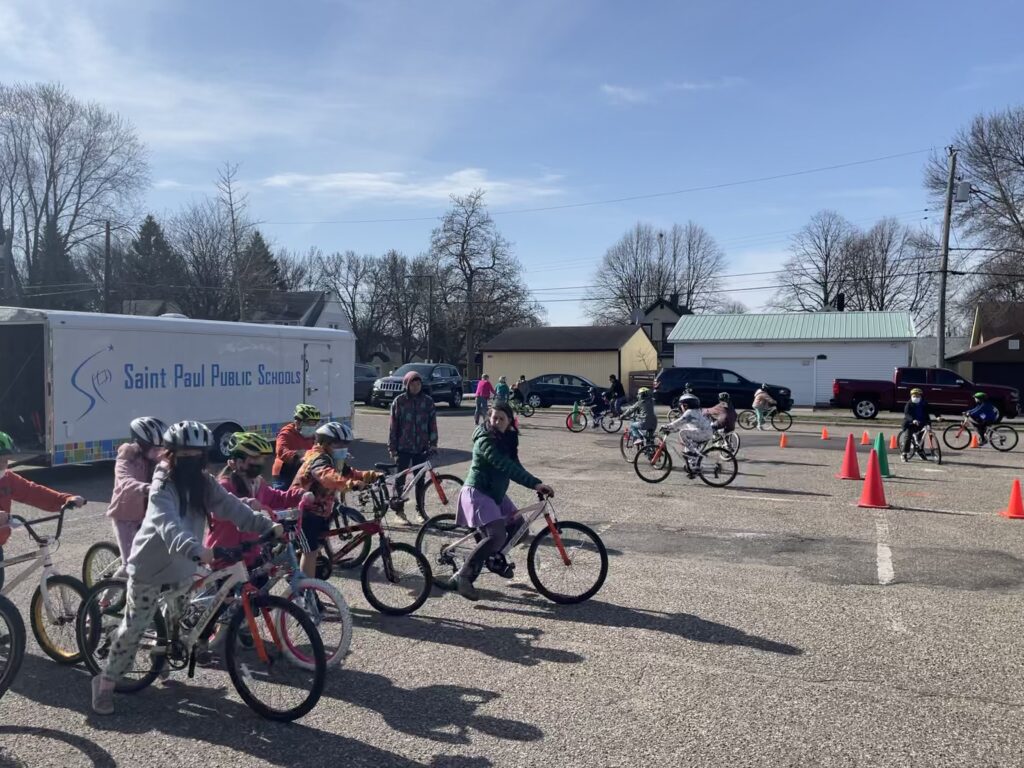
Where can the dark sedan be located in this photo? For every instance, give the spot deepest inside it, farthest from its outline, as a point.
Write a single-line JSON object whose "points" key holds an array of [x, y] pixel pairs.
{"points": [[557, 389]]}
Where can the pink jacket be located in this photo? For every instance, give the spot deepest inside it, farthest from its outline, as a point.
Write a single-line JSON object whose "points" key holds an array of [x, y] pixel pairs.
{"points": [[222, 533], [484, 388], [132, 475]]}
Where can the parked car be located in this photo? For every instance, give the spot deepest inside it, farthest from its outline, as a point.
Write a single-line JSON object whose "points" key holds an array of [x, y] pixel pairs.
{"points": [[946, 392], [363, 383], [557, 389], [706, 383], [441, 381]]}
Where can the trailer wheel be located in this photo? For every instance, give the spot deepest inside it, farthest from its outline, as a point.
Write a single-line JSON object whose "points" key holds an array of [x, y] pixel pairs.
{"points": [[221, 438]]}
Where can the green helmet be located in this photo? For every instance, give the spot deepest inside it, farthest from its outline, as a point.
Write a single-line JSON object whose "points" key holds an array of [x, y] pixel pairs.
{"points": [[6, 444], [980, 396], [304, 412], [249, 444]]}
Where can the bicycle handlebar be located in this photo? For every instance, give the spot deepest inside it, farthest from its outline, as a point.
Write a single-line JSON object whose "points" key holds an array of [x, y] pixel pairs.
{"points": [[235, 553], [28, 524]]}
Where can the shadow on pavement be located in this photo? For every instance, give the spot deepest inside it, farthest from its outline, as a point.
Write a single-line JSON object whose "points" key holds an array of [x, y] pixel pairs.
{"points": [[685, 625], [787, 463], [196, 712], [779, 491], [514, 644], [100, 757], [445, 713]]}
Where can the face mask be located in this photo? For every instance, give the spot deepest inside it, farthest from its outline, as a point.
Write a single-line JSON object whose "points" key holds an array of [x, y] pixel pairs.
{"points": [[253, 471], [915, 400], [340, 454], [189, 468], [307, 431]]}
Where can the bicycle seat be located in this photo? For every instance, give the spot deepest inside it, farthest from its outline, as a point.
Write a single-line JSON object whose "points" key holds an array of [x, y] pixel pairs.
{"points": [[385, 466]]}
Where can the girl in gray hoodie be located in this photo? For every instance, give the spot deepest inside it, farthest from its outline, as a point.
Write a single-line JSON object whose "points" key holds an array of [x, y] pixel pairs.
{"points": [[183, 497]]}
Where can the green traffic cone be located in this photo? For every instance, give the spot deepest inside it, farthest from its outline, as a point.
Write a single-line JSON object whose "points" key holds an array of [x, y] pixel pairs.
{"points": [[883, 456]]}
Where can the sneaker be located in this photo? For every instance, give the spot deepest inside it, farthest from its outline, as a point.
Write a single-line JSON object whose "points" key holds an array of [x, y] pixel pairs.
{"points": [[905, 457], [466, 588], [447, 583], [102, 695], [400, 514], [397, 505], [423, 514]]}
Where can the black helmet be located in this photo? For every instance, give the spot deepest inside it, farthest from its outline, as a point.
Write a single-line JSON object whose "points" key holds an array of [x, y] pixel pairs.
{"points": [[723, 397]]}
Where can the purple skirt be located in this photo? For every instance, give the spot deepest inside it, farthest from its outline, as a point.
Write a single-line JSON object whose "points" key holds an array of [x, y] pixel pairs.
{"points": [[476, 508]]}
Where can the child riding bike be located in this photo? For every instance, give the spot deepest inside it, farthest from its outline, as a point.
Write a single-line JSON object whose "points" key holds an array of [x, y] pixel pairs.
{"points": [[915, 418], [133, 473], [722, 415], [293, 441], [597, 403], [692, 425], [763, 404], [483, 503], [645, 419], [983, 415]]}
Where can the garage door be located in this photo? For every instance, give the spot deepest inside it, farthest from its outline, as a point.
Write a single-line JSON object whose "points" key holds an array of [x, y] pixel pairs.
{"points": [[795, 373]]}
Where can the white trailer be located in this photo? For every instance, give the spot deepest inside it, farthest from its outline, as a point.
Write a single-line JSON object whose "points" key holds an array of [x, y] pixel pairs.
{"points": [[70, 382]]}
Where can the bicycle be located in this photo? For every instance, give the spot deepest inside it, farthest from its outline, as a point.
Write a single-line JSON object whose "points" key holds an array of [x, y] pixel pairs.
{"points": [[521, 408], [393, 569], [446, 487], [729, 440], [578, 420], [713, 464], [12, 643], [560, 548], [257, 655], [958, 436], [102, 560], [632, 442], [780, 420], [56, 600], [923, 442]]}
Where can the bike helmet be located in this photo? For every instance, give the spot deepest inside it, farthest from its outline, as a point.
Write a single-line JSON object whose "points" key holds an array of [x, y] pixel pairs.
{"points": [[764, 387], [723, 397], [689, 401], [188, 434], [336, 432], [643, 393], [148, 430], [251, 444], [916, 391], [304, 412], [980, 396], [6, 444]]}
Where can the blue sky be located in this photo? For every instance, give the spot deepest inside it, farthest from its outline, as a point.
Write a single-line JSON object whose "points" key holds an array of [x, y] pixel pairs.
{"points": [[346, 111]]}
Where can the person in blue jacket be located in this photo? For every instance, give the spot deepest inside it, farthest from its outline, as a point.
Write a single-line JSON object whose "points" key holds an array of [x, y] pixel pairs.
{"points": [[915, 418], [983, 415]]}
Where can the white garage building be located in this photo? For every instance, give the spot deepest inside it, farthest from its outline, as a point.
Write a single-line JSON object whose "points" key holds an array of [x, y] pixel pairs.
{"points": [[804, 351]]}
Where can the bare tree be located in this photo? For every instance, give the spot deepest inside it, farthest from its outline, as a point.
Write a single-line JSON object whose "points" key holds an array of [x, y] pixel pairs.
{"points": [[819, 269], [695, 261], [633, 273], [200, 235], [358, 283], [296, 270], [729, 306], [235, 204]]}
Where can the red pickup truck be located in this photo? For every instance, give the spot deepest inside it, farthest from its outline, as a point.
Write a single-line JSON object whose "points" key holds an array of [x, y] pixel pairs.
{"points": [[945, 391]]}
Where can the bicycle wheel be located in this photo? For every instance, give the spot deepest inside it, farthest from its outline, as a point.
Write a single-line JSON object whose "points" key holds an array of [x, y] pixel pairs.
{"points": [[396, 579], [611, 423], [628, 447], [653, 463], [732, 442], [527, 410], [12, 643], [930, 448], [268, 681], [53, 618], [434, 503], [573, 581], [782, 421], [577, 423], [716, 467], [1003, 437], [956, 437], [326, 606], [747, 419], [101, 561], [99, 616], [343, 517], [437, 533]]}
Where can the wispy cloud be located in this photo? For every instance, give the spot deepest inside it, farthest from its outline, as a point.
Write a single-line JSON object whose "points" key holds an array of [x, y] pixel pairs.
{"points": [[621, 94], [625, 95], [717, 84], [397, 186]]}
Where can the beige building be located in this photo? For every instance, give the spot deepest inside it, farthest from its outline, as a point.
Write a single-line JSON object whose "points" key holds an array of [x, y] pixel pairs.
{"points": [[590, 351]]}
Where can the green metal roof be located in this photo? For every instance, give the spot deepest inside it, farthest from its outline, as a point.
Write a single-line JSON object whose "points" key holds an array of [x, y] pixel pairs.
{"points": [[795, 326]]}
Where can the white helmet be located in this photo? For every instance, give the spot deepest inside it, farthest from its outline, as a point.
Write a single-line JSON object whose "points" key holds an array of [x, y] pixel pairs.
{"points": [[689, 401], [148, 430], [188, 434], [336, 432]]}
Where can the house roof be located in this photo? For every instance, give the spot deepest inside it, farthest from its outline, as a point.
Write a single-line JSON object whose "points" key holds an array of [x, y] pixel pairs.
{"points": [[571, 338], [795, 326], [924, 350], [288, 308], [997, 318], [670, 304], [979, 350]]}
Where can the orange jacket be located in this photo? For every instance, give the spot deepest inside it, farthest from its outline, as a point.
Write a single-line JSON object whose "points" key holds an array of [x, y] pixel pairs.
{"points": [[319, 476], [290, 443], [16, 488]]}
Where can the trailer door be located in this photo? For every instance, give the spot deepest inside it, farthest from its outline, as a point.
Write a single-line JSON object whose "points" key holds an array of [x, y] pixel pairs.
{"points": [[316, 375], [23, 387]]}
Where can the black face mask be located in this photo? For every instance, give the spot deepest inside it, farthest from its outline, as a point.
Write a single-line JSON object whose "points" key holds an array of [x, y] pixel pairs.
{"points": [[253, 471], [189, 469]]}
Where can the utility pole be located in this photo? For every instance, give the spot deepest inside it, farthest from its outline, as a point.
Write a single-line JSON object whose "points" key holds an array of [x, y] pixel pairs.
{"points": [[106, 268], [944, 265], [430, 315]]}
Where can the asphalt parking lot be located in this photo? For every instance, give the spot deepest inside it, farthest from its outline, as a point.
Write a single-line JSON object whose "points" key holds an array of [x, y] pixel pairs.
{"points": [[770, 623]]}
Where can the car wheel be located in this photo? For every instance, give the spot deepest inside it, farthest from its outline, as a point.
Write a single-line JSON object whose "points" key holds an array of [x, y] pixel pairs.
{"points": [[535, 401], [865, 408], [221, 441], [456, 400]]}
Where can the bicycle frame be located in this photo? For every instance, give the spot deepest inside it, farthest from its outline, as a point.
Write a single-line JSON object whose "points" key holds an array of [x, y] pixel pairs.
{"points": [[41, 558], [468, 543], [417, 471]]}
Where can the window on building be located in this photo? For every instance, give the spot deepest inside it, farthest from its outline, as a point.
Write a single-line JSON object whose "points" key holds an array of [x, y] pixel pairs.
{"points": [[648, 329]]}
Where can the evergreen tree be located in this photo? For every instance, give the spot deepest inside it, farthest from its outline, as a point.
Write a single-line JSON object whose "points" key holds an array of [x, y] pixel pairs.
{"points": [[56, 281], [152, 269], [261, 270]]}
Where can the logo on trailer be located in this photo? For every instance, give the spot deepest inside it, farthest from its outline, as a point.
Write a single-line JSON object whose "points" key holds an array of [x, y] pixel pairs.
{"points": [[91, 385]]}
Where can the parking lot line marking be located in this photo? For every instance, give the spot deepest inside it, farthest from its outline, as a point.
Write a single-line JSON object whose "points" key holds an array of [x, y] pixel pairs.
{"points": [[883, 554], [773, 498]]}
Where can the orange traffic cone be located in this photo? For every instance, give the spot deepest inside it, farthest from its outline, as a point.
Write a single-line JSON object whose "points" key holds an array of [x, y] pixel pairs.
{"points": [[865, 439], [850, 470], [873, 494], [1015, 511], [893, 445], [783, 442], [974, 442], [824, 433]]}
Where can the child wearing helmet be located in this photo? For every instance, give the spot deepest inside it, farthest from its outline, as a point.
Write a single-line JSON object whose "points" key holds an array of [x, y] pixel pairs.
{"points": [[294, 439], [502, 392], [645, 418], [14, 487], [763, 403], [412, 436], [324, 473], [915, 418], [983, 415], [722, 415], [598, 404], [168, 547], [133, 473], [692, 425]]}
